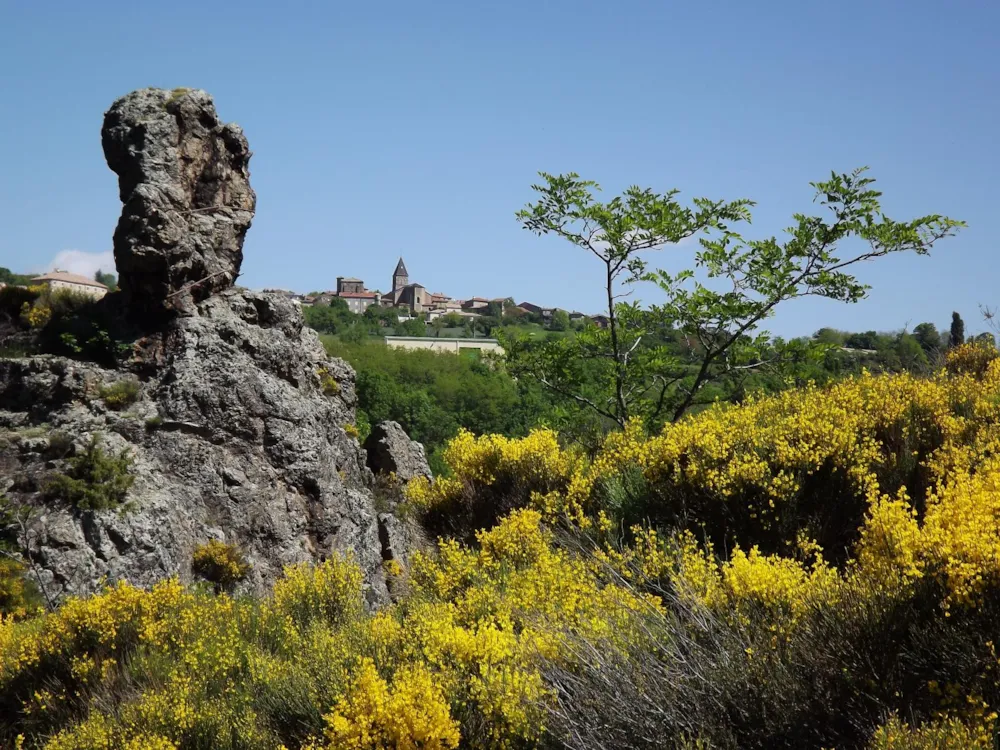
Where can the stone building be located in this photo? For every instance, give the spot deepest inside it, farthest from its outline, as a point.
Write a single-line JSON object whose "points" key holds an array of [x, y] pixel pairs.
{"points": [[353, 292], [475, 303], [358, 302], [349, 284], [544, 312], [414, 297], [71, 282]]}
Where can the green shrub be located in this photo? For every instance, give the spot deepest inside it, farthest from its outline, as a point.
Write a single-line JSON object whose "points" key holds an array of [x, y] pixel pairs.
{"points": [[82, 329], [66, 302], [60, 444], [15, 351], [95, 480], [328, 383], [121, 393], [220, 563], [14, 298]]}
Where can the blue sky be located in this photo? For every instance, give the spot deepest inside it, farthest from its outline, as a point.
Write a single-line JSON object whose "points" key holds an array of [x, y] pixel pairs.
{"points": [[382, 129]]}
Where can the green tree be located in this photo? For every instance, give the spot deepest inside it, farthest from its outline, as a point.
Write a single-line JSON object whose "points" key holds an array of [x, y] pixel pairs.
{"points": [[481, 326], [355, 333], [432, 394], [866, 340], [333, 318], [560, 320], [830, 337], [928, 336], [381, 316], [956, 335], [108, 279], [15, 279], [911, 354], [746, 281], [412, 327]]}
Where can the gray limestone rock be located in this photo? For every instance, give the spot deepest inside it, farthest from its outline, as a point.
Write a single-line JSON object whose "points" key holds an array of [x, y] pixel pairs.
{"points": [[184, 182], [232, 437], [234, 433], [390, 449]]}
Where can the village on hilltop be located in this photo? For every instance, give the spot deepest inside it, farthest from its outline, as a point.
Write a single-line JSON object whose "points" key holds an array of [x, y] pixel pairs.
{"points": [[411, 299]]}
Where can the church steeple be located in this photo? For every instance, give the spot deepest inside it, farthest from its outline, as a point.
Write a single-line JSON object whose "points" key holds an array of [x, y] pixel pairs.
{"points": [[400, 277]]}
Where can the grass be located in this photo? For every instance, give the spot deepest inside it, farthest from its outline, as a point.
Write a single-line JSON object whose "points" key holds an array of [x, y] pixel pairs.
{"points": [[177, 93], [15, 351], [15, 436], [121, 393]]}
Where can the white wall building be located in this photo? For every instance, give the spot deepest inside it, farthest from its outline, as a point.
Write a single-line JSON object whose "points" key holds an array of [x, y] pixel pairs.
{"points": [[474, 347], [64, 281]]}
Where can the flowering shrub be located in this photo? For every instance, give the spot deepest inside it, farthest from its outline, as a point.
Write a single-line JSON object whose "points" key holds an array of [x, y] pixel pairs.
{"points": [[14, 298], [18, 596], [222, 564], [330, 592], [846, 504], [410, 715], [972, 357], [36, 316], [41, 304], [945, 734], [454, 663], [792, 572], [492, 475]]}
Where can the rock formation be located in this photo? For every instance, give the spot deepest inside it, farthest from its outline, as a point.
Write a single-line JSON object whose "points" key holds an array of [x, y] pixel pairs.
{"points": [[237, 431], [390, 450], [184, 182]]}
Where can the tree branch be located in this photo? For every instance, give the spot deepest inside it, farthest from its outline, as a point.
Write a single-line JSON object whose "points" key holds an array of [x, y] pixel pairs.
{"points": [[581, 400]]}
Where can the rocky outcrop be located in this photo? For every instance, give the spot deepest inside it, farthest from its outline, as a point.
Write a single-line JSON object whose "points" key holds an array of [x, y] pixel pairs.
{"points": [[184, 182], [237, 430], [390, 450], [239, 436]]}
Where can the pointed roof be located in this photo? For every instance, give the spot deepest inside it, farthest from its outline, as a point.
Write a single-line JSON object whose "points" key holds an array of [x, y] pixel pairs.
{"points": [[400, 269]]}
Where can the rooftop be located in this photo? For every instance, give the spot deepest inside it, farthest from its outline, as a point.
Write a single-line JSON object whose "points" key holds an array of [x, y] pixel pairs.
{"points": [[68, 278]]}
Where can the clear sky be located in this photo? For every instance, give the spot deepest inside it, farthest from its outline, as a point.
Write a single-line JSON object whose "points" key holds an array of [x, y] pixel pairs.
{"points": [[382, 129]]}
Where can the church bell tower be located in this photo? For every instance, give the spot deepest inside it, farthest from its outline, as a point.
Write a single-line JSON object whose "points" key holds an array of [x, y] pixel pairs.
{"points": [[400, 277]]}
